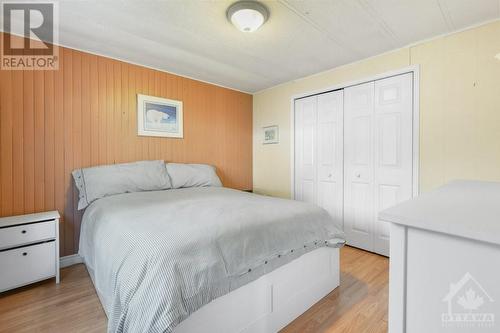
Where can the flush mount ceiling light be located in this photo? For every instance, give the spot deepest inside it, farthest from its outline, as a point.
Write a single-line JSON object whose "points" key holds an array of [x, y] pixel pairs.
{"points": [[247, 16], [497, 56]]}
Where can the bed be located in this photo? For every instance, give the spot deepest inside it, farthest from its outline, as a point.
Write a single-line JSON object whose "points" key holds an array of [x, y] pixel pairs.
{"points": [[207, 259]]}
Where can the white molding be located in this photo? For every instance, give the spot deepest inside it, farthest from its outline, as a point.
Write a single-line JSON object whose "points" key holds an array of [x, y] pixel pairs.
{"points": [[415, 69], [416, 131], [70, 260]]}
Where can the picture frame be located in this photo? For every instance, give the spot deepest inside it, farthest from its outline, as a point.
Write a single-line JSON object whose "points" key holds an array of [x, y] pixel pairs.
{"points": [[159, 117], [270, 135]]}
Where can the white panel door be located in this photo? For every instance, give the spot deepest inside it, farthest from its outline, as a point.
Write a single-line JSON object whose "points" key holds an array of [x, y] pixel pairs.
{"points": [[358, 165], [305, 149], [393, 150], [330, 153]]}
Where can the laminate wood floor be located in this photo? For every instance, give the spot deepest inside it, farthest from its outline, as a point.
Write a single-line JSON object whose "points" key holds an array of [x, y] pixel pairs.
{"points": [[359, 305]]}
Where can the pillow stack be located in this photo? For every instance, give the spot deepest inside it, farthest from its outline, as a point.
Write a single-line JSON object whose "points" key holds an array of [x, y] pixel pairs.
{"points": [[102, 181]]}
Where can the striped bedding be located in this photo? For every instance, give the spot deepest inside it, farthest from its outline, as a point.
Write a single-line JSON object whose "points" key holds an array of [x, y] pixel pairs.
{"points": [[156, 257]]}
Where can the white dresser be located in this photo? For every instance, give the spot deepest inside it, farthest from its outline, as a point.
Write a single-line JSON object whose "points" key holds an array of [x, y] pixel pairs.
{"points": [[29, 249], [445, 260]]}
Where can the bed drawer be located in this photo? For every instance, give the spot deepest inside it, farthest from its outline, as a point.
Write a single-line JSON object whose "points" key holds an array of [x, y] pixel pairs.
{"points": [[27, 264], [28, 233]]}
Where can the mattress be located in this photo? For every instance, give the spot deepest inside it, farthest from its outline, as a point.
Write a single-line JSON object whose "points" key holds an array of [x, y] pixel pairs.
{"points": [[156, 257]]}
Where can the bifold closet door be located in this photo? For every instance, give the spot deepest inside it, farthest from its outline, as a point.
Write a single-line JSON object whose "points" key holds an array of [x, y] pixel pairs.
{"points": [[378, 157], [330, 153], [358, 165], [394, 150], [305, 149], [319, 151]]}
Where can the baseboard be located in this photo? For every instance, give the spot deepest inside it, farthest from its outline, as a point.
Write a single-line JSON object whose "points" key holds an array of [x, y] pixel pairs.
{"points": [[70, 260]]}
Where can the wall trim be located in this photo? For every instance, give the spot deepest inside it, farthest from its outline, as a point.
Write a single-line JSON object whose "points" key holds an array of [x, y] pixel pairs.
{"points": [[70, 260], [415, 69]]}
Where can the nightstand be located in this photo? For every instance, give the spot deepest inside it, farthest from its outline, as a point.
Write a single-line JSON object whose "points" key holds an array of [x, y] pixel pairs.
{"points": [[29, 249]]}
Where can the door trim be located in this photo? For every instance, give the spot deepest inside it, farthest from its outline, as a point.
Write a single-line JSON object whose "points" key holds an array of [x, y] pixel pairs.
{"points": [[415, 69]]}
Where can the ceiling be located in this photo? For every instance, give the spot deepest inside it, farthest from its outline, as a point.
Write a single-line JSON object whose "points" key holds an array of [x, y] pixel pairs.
{"points": [[193, 37]]}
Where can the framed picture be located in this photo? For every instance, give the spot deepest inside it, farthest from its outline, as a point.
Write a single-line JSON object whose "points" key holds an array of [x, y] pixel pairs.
{"points": [[271, 135], [159, 117]]}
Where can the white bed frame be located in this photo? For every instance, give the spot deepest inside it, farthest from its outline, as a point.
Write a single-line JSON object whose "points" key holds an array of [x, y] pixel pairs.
{"points": [[271, 302]]}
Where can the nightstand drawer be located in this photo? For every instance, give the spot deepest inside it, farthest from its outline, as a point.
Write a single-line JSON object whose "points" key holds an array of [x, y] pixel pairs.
{"points": [[28, 233], [27, 264]]}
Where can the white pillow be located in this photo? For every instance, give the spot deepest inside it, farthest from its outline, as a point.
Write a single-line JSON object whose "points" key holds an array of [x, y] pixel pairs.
{"points": [[101, 181], [192, 175]]}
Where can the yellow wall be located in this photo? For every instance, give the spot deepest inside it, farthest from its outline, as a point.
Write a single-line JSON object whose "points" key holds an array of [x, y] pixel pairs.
{"points": [[459, 109]]}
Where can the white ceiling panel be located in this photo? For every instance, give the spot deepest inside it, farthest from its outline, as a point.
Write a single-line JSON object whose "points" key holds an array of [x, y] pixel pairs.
{"points": [[463, 13], [348, 22], [302, 37], [410, 20]]}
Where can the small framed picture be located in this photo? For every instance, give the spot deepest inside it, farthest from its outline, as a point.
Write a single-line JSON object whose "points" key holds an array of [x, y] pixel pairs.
{"points": [[159, 117], [271, 134]]}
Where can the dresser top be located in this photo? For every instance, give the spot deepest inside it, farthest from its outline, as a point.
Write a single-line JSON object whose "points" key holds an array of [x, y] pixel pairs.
{"points": [[28, 218], [469, 209]]}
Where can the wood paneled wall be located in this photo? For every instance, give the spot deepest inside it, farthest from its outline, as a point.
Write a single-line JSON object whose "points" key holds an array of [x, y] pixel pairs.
{"points": [[85, 114]]}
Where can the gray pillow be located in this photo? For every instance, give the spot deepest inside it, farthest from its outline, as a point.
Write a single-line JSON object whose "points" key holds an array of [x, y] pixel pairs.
{"points": [[101, 181], [192, 175]]}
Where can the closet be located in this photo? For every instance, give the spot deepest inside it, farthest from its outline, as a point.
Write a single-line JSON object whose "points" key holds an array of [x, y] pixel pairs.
{"points": [[353, 155]]}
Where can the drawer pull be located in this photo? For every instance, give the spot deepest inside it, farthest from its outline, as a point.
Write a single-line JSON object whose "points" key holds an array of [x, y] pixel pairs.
{"points": [[25, 253], [23, 232]]}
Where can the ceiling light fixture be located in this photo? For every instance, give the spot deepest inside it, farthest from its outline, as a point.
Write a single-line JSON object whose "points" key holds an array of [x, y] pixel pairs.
{"points": [[497, 56], [247, 16]]}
